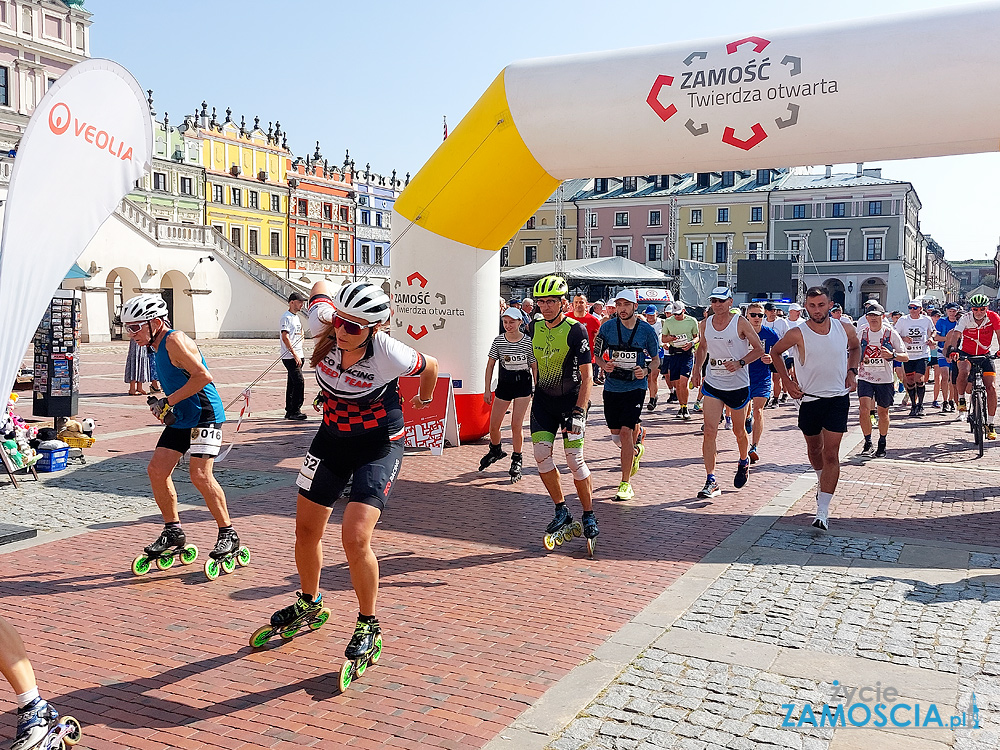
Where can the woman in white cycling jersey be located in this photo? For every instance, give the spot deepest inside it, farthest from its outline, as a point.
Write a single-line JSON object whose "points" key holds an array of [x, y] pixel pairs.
{"points": [[357, 368]]}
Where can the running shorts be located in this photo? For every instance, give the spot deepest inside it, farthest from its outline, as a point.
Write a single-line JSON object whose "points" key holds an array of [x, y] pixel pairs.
{"points": [[915, 365], [942, 362], [761, 388], [882, 393], [828, 414], [370, 457], [623, 409], [512, 385], [204, 441], [733, 399], [679, 365]]}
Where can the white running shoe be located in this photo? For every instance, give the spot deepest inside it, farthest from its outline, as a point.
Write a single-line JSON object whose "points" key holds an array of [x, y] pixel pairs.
{"points": [[821, 523]]}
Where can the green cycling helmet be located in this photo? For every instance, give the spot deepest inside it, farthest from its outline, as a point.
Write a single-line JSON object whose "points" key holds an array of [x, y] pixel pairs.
{"points": [[550, 286], [976, 300]]}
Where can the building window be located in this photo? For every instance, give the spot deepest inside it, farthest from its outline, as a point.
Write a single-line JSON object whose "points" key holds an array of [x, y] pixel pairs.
{"points": [[253, 241], [327, 248], [379, 255], [593, 220], [236, 236], [621, 251], [505, 256], [696, 216], [343, 251], [530, 253], [220, 229], [4, 88], [629, 184], [216, 193], [26, 20], [720, 252], [276, 203], [236, 197], [366, 217], [366, 254], [793, 247], [654, 218], [187, 186], [755, 251], [874, 208], [328, 212], [275, 243], [838, 210], [838, 248], [874, 248], [254, 198], [655, 251], [378, 218], [601, 185], [763, 177], [698, 251], [621, 218], [159, 181], [530, 223], [723, 216], [756, 213], [799, 211], [80, 36], [728, 179], [704, 179], [300, 246], [345, 215], [302, 207], [53, 27], [362, 200]]}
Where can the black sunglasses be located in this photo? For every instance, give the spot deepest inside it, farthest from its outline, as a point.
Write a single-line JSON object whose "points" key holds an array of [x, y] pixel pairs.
{"points": [[755, 315]]}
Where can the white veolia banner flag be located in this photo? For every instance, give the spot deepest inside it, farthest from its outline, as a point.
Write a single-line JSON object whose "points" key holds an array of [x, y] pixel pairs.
{"points": [[88, 141]]}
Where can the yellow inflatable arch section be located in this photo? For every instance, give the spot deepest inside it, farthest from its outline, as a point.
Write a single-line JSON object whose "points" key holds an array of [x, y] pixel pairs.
{"points": [[899, 87]]}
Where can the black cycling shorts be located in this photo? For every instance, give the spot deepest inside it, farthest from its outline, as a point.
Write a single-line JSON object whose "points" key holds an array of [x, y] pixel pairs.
{"points": [[733, 399], [204, 441], [881, 393], [371, 458], [623, 409], [513, 384], [548, 413], [828, 414], [985, 363], [915, 365]]}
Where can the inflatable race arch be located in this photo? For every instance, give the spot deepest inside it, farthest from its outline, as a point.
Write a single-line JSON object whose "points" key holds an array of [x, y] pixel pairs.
{"points": [[892, 88]]}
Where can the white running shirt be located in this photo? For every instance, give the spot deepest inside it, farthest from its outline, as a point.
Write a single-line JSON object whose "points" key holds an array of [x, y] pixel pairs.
{"points": [[921, 330], [725, 346], [821, 362], [874, 368]]}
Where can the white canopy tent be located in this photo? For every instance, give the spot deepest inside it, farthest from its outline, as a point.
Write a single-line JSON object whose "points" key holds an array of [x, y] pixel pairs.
{"points": [[616, 270]]}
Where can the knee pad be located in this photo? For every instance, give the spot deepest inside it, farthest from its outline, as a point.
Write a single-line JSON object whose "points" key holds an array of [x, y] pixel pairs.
{"points": [[577, 466], [616, 439], [543, 457]]}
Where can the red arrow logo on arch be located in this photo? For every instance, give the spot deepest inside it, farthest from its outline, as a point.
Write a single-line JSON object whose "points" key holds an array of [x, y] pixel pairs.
{"points": [[653, 98], [758, 44], [417, 335], [729, 136], [415, 276]]}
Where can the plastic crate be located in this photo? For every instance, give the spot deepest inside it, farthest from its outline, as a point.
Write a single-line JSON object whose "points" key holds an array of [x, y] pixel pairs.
{"points": [[74, 440], [52, 460]]}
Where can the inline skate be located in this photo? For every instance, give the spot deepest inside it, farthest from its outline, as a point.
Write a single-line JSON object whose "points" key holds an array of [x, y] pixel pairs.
{"points": [[171, 546], [494, 454], [40, 728], [226, 555], [590, 531], [286, 622], [561, 529], [364, 650], [516, 462]]}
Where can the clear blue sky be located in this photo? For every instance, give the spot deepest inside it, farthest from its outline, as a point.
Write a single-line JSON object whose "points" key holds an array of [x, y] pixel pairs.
{"points": [[378, 77]]}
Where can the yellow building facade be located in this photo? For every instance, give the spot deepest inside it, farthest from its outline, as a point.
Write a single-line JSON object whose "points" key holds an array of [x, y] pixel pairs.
{"points": [[246, 191]]}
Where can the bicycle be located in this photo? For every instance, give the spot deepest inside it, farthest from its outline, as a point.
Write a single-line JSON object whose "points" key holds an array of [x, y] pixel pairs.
{"points": [[977, 402]]}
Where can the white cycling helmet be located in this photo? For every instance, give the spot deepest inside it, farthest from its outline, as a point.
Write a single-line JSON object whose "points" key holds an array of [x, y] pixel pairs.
{"points": [[363, 300], [143, 308]]}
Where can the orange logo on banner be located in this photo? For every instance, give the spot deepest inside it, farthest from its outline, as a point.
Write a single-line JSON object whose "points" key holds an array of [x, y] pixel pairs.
{"points": [[59, 122]]}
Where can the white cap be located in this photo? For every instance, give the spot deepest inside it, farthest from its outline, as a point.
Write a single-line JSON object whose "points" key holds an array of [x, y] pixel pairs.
{"points": [[677, 308], [513, 312], [795, 306], [721, 292], [628, 295], [916, 302]]}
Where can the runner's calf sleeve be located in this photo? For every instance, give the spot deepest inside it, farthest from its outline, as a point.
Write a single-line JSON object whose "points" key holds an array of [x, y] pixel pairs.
{"points": [[577, 466], [543, 457], [616, 439]]}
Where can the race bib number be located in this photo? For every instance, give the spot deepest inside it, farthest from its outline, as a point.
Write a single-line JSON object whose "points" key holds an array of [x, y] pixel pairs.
{"points": [[206, 440], [874, 362], [680, 339], [515, 362], [623, 360], [718, 366], [305, 478]]}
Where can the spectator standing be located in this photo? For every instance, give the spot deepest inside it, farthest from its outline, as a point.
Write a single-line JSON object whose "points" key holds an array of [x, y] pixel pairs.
{"points": [[291, 357]]}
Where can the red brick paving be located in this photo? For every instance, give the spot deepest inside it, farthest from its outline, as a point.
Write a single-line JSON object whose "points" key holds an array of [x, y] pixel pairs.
{"points": [[479, 620]]}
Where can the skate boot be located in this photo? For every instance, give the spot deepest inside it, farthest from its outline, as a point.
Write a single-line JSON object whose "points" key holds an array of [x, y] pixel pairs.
{"points": [[169, 547], [590, 531], [38, 726], [364, 650], [286, 622], [561, 528], [227, 554], [515, 468], [494, 454]]}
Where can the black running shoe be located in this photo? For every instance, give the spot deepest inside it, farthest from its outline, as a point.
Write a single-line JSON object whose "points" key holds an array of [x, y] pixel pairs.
{"points": [[652, 403], [742, 474], [880, 451]]}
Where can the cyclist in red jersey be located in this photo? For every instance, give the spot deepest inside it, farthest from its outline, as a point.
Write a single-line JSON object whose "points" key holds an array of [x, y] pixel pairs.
{"points": [[977, 329]]}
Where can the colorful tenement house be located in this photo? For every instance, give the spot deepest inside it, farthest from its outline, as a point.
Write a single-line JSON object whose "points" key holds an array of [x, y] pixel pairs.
{"points": [[376, 196], [320, 220], [246, 188]]}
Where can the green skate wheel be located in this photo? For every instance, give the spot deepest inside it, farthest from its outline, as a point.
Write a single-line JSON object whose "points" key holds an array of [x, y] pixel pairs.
{"points": [[212, 569], [322, 617], [362, 667], [165, 563], [346, 675], [577, 529], [229, 565], [549, 542], [377, 651], [75, 731], [243, 557], [289, 633], [261, 636], [140, 565], [189, 554]]}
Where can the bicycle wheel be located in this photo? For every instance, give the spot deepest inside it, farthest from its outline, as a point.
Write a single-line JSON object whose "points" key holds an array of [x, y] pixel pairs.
{"points": [[977, 418]]}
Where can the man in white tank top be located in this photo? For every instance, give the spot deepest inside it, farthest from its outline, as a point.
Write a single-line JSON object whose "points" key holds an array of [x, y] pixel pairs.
{"points": [[827, 353], [729, 343]]}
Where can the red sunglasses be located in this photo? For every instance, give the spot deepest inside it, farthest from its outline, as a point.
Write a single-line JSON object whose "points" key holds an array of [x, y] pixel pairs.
{"points": [[350, 327]]}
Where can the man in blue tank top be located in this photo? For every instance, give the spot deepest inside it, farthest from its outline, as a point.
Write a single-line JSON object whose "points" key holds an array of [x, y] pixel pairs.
{"points": [[192, 413]]}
